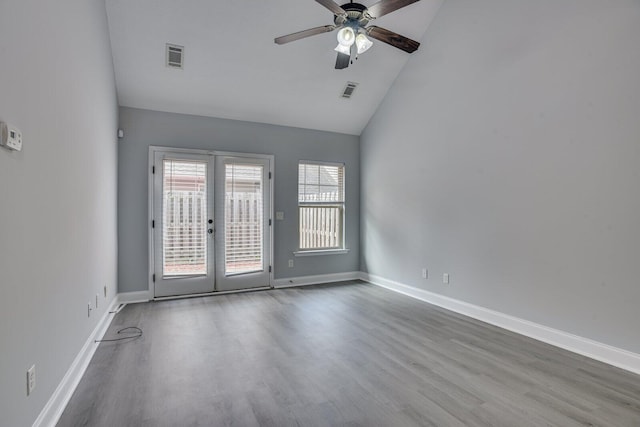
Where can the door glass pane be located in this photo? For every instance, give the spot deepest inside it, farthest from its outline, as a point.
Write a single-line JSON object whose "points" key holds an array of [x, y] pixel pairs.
{"points": [[184, 222], [243, 215]]}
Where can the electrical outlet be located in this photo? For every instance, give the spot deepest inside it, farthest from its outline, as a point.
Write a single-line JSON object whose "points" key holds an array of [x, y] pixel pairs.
{"points": [[31, 379], [105, 291], [445, 278], [290, 263], [425, 273], [89, 309]]}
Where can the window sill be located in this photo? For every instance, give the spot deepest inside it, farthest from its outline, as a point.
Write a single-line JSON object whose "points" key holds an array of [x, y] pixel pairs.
{"points": [[321, 252]]}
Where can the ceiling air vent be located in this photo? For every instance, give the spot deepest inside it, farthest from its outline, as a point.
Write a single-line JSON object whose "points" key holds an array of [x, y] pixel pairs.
{"points": [[175, 56], [348, 90]]}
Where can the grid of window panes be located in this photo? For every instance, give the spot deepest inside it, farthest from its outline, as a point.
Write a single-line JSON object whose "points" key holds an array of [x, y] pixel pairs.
{"points": [[320, 206]]}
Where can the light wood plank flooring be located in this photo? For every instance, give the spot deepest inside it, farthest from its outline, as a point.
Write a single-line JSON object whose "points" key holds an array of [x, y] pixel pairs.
{"points": [[348, 354]]}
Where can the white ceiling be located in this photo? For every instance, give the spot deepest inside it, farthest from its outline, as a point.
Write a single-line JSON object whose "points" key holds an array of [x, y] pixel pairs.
{"points": [[233, 69]]}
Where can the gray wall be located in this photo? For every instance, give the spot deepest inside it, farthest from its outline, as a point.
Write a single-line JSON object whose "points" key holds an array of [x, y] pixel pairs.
{"points": [[58, 196], [289, 145], [507, 154]]}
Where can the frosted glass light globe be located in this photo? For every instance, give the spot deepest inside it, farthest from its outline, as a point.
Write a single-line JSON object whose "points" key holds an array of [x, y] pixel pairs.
{"points": [[363, 43], [346, 36]]}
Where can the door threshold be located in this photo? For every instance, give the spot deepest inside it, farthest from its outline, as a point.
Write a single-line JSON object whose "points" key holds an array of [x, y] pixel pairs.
{"points": [[210, 294]]}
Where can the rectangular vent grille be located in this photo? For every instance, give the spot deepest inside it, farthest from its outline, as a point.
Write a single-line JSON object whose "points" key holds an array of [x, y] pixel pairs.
{"points": [[348, 90], [175, 56]]}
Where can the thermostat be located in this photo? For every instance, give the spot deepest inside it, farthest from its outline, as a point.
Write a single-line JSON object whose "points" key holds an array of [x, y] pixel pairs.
{"points": [[10, 137]]}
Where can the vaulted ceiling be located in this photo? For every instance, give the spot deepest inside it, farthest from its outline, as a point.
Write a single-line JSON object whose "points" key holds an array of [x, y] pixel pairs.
{"points": [[234, 70]]}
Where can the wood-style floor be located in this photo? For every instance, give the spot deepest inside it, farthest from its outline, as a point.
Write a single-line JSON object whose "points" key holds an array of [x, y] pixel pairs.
{"points": [[345, 354]]}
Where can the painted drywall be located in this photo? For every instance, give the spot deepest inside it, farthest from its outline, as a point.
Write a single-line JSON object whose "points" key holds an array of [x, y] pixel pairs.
{"points": [[143, 128], [58, 196], [507, 154]]}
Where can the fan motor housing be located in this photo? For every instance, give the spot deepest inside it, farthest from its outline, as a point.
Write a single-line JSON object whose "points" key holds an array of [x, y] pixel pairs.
{"points": [[356, 15]]}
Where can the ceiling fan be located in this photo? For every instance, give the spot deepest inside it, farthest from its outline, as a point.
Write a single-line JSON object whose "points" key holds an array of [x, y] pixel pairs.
{"points": [[351, 20]]}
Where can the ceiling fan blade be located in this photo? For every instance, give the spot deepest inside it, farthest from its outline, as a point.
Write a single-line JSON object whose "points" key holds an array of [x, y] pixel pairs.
{"points": [[394, 39], [333, 7], [387, 6], [302, 34], [342, 61]]}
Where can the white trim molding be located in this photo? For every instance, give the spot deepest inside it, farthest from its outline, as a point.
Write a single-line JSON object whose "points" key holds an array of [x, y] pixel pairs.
{"points": [[618, 357], [289, 282], [321, 252], [52, 411]]}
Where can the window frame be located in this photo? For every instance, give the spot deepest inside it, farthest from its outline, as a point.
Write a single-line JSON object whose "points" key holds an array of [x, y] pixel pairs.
{"points": [[341, 205]]}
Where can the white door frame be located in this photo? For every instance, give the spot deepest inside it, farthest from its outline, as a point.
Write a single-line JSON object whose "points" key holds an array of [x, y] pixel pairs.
{"points": [[153, 149]]}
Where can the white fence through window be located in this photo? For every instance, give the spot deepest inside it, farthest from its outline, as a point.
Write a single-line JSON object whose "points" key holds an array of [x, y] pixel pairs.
{"points": [[243, 218], [320, 206], [184, 211], [320, 227]]}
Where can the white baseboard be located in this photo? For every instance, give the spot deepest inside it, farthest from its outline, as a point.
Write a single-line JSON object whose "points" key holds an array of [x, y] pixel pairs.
{"points": [[134, 297], [289, 282], [52, 411], [593, 349]]}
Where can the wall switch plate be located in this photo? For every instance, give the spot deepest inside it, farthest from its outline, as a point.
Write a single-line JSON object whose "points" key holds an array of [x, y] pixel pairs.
{"points": [[279, 216], [31, 379], [445, 278], [105, 291], [89, 309], [425, 273], [290, 263]]}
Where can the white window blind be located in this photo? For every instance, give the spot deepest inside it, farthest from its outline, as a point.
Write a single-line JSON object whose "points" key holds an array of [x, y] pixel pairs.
{"points": [[320, 206], [243, 218], [184, 222]]}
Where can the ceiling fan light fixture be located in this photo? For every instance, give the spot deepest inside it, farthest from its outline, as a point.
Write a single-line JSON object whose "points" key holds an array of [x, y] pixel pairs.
{"points": [[363, 43], [346, 36], [343, 49], [351, 20]]}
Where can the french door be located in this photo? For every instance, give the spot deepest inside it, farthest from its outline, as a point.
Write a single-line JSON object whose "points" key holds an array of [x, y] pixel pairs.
{"points": [[242, 212], [211, 227]]}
